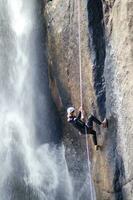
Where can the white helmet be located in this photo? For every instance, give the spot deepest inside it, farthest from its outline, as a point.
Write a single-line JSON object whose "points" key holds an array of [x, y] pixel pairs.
{"points": [[70, 110]]}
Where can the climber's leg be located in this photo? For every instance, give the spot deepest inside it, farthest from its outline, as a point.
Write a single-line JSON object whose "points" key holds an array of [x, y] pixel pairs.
{"points": [[94, 136], [92, 119]]}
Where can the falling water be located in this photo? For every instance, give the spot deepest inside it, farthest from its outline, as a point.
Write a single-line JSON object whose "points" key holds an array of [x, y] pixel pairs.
{"points": [[31, 169]]}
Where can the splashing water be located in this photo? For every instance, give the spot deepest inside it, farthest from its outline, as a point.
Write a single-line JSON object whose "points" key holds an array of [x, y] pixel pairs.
{"points": [[29, 169]]}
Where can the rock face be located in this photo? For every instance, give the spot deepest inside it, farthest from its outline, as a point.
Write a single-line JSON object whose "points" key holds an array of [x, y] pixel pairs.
{"points": [[107, 58]]}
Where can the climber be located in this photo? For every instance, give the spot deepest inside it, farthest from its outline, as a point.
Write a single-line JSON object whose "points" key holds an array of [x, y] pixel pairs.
{"points": [[83, 127]]}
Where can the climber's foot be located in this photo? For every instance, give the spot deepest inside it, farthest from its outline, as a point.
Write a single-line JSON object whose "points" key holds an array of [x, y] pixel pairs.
{"points": [[105, 123], [97, 147]]}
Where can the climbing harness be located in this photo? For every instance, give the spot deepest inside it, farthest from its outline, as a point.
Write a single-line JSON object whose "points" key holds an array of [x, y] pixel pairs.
{"points": [[81, 96]]}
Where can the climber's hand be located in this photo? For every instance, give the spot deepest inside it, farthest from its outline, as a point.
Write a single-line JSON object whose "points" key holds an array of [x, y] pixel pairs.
{"points": [[80, 109], [82, 113]]}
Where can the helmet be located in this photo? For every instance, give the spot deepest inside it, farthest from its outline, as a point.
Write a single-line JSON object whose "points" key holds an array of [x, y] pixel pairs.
{"points": [[70, 110]]}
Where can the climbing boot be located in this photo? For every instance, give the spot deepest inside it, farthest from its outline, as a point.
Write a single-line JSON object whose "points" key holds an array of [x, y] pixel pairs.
{"points": [[97, 147], [105, 123]]}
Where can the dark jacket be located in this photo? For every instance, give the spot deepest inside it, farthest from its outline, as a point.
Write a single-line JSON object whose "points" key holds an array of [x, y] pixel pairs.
{"points": [[77, 123]]}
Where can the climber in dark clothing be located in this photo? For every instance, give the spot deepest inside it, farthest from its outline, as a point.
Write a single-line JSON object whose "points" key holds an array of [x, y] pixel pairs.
{"points": [[84, 128]]}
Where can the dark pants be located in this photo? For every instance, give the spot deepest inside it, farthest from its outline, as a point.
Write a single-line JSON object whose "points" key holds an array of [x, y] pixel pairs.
{"points": [[89, 127]]}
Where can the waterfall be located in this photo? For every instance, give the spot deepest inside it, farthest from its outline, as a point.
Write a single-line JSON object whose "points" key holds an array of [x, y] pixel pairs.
{"points": [[32, 166]]}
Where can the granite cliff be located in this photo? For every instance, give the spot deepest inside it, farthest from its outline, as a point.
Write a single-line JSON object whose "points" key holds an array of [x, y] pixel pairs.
{"points": [[107, 59]]}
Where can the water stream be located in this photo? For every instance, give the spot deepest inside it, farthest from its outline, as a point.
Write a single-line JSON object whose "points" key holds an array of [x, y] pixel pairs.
{"points": [[32, 165]]}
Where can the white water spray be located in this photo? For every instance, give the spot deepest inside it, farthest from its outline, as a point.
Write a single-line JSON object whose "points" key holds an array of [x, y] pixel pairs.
{"points": [[28, 170]]}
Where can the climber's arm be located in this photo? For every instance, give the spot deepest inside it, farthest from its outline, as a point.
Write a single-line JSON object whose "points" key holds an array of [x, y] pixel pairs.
{"points": [[79, 115]]}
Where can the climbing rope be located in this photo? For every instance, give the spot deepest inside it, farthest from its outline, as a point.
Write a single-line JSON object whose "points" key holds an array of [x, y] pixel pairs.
{"points": [[81, 96], [80, 60]]}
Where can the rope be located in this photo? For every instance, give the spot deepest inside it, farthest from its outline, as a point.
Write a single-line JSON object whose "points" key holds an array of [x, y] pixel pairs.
{"points": [[89, 164], [81, 97], [80, 60]]}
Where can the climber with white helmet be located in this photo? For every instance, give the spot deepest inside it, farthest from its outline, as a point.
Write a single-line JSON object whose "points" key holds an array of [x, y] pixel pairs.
{"points": [[84, 128]]}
